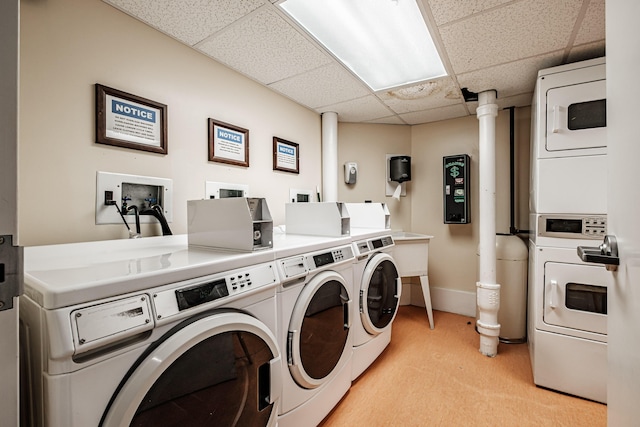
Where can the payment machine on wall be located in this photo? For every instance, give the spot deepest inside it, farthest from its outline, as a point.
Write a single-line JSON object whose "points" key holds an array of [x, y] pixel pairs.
{"points": [[456, 189]]}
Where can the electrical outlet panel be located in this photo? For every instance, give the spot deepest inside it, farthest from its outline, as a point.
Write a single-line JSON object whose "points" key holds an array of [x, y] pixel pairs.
{"points": [[223, 190], [297, 195], [141, 191]]}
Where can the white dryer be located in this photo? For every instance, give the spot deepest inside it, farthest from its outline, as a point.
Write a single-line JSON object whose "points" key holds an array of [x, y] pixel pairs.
{"points": [[377, 288], [568, 322], [568, 140], [150, 332], [314, 327]]}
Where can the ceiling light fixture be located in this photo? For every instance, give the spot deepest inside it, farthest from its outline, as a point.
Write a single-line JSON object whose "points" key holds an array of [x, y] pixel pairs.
{"points": [[384, 42]]}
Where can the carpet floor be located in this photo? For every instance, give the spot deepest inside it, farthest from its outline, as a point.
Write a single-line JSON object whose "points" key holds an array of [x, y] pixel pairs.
{"points": [[439, 378]]}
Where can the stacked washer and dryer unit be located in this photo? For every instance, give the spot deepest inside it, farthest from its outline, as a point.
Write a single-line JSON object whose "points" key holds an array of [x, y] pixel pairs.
{"points": [[567, 325]]}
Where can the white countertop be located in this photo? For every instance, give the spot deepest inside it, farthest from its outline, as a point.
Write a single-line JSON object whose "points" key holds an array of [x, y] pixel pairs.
{"points": [[406, 235], [67, 274]]}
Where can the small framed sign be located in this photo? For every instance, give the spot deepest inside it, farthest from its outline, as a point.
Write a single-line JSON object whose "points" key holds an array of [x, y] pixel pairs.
{"points": [[286, 155], [228, 143], [129, 121]]}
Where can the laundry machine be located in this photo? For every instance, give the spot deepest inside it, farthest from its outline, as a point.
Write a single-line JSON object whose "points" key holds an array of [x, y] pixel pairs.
{"points": [[568, 322], [314, 303], [149, 332], [568, 140], [567, 301], [377, 289]]}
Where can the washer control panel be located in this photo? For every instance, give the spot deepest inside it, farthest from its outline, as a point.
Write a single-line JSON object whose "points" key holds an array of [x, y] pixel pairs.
{"points": [[211, 291], [573, 226], [364, 247], [320, 259]]}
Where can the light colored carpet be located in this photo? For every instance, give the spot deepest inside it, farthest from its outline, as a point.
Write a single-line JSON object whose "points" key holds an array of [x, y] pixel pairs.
{"points": [[439, 378]]}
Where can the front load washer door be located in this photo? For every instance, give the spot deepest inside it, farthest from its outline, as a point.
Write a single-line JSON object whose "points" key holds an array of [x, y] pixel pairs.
{"points": [[221, 369], [319, 330], [379, 293]]}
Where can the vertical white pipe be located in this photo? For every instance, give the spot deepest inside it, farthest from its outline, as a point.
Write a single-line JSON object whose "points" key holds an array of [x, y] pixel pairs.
{"points": [[330, 157], [488, 291]]}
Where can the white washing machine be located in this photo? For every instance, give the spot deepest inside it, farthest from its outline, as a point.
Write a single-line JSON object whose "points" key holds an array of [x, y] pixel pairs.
{"points": [[377, 288], [568, 322], [314, 327], [150, 332]]}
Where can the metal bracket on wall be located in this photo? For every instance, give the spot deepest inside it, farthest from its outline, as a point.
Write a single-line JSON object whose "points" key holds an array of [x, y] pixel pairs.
{"points": [[11, 272]]}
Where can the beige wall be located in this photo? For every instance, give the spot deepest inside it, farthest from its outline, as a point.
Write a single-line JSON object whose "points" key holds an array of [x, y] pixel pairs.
{"points": [[453, 251], [69, 45], [452, 256], [368, 145]]}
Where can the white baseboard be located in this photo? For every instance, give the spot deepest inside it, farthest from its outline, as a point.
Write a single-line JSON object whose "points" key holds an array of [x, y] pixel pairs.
{"points": [[454, 301], [442, 299]]}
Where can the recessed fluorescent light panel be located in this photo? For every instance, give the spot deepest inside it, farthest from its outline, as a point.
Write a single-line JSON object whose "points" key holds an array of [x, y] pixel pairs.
{"points": [[385, 42]]}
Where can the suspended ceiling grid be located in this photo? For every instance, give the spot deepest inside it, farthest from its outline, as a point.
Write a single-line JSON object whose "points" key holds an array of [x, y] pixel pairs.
{"points": [[485, 44]]}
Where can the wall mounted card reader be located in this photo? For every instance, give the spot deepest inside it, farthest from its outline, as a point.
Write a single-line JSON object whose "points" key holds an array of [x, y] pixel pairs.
{"points": [[456, 189]]}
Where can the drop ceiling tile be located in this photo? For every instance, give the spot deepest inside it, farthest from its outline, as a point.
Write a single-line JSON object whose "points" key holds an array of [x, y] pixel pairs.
{"points": [[518, 30], [391, 120], [586, 51], [188, 22], [592, 26], [264, 47], [450, 10], [512, 78], [435, 114], [431, 94], [326, 85], [363, 109]]}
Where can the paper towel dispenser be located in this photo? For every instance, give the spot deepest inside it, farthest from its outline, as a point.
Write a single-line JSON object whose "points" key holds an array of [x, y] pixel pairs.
{"points": [[400, 168]]}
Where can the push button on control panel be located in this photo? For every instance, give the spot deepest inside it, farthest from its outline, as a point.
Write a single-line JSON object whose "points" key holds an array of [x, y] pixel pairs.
{"points": [[595, 226], [240, 282]]}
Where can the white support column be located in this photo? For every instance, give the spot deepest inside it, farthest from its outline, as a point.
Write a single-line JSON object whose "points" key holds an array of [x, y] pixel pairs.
{"points": [[330, 157], [488, 291]]}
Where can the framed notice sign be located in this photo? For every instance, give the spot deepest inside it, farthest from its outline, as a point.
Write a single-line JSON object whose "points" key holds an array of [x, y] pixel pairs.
{"points": [[228, 143], [129, 121], [286, 155]]}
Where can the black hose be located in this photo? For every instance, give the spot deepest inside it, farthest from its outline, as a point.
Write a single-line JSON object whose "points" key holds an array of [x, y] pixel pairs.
{"points": [[134, 208], [156, 212], [122, 216]]}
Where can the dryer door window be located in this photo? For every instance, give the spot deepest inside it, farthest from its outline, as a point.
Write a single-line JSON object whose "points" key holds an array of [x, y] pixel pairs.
{"points": [[379, 293], [319, 330], [206, 373], [576, 119]]}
